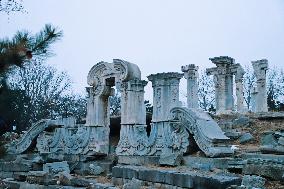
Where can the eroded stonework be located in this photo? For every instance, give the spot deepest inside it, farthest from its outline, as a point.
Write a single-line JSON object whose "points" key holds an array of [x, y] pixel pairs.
{"points": [[260, 68]]}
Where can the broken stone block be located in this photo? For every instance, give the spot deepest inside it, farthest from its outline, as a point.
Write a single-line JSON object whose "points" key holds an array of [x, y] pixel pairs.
{"points": [[247, 137], [40, 177], [81, 182], [134, 183], [14, 167], [95, 169], [272, 142], [253, 181], [64, 178], [56, 167], [170, 159], [281, 141], [241, 122], [10, 183]]}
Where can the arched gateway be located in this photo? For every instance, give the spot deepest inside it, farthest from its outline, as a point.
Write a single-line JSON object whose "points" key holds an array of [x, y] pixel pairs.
{"points": [[127, 78]]}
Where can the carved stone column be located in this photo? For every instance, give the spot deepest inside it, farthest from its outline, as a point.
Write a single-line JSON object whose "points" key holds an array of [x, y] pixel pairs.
{"points": [[191, 75], [239, 78], [223, 80], [133, 136], [260, 67], [98, 119], [166, 96]]}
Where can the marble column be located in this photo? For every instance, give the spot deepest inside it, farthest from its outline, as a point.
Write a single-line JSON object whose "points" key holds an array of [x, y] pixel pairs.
{"points": [[166, 96], [239, 78], [191, 75], [260, 67], [133, 136], [223, 80]]}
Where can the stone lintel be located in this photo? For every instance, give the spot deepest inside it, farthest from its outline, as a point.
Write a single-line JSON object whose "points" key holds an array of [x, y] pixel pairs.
{"points": [[165, 76], [222, 60], [136, 85]]}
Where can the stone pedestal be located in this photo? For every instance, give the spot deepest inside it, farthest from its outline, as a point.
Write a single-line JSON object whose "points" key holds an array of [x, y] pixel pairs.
{"points": [[260, 67], [166, 96], [133, 136], [191, 75]]}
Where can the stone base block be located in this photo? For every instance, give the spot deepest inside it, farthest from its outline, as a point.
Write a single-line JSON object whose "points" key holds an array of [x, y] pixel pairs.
{"points": [[178, 178], [138, 160]]}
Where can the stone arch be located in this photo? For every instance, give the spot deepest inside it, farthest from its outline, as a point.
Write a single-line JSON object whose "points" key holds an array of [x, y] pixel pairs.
{"points": [[101, 78], [127, 79], [208, 135]]}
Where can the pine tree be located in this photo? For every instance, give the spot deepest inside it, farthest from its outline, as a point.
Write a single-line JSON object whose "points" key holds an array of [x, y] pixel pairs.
{"points": [[24, 46]]}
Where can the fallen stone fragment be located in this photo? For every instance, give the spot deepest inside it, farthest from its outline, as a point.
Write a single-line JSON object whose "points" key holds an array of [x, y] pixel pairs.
{"points": [[253, 181], [247, 137], [95, 169]]}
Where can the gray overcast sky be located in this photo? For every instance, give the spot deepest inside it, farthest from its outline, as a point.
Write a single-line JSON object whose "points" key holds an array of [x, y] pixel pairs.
{"points": [[157, 35]]}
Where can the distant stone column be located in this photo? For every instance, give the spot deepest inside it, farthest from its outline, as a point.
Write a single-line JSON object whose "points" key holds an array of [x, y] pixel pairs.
{"points": [[260, 67], [133, 136], [191, 75], [223, 80], [165, 97]]}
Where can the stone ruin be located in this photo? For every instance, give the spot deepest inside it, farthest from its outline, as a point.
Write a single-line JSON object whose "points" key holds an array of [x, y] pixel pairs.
{"points": [[51, 149]]}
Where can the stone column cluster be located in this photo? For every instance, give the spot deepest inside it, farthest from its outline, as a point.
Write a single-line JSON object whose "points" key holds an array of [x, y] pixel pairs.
{"points": [[191, 75], [223, 80], [259, 94]]}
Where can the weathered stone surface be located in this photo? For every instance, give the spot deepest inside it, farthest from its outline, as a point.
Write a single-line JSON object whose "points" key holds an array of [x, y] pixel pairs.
{"points": [[191, 75], [260, 96], [134, 183], [269, 115], [95, 169], [40, 177], [25, 141], [170, 159], [10, 183], [247, 137], [223, 80], [63, 178], [82, 182], [205, 163], [241, 122], [56, 167], [138, 160], [165, 97], [253, 181], [14, 167], [187, 179], [20, 176], [270, 168], [6, 174], [272, 142], [207, 134]]}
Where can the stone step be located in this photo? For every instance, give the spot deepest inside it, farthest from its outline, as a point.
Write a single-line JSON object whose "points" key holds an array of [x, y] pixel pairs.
{"points": [[174, 177]]}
